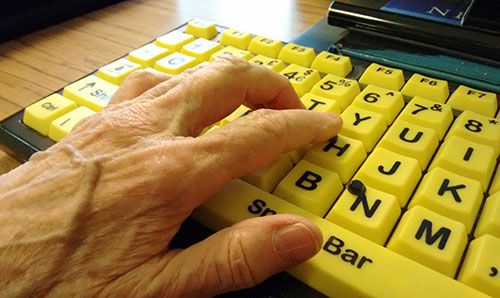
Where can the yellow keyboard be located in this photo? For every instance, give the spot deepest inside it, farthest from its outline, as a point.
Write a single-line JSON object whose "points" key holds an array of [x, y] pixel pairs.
{"points": [[407, 195]]}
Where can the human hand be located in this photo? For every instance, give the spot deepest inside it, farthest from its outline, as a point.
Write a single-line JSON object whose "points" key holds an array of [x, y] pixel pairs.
{"points": [[94, 215]]}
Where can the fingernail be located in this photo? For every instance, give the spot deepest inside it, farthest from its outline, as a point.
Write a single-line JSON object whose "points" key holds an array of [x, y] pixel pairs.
{"points": [[295, 243]]}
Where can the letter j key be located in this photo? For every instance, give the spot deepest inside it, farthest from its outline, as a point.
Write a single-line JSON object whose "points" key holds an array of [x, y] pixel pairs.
{"points": [[391, 173]]}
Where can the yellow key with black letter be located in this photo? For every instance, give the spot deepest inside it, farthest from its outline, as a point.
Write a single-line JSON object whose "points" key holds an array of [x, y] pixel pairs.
{"points": [[470, 159], [265, 46], [236, 38], [341, 89], [426, 87], [40, 114], [428, 113], [292, 53], [381, 100], [430, 239], [371, 214], [340, 154], [478, 128], [91, 91], [344, 257], [320, 103], [481, 268], [363, 125], [383, 76], [302, 78], [390, 172], [411, 140], [482, 102], [327, 62], [449, 194], [311, 187]]}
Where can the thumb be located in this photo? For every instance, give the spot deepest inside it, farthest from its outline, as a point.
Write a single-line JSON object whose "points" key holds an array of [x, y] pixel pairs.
{"points": [[241, 256]]}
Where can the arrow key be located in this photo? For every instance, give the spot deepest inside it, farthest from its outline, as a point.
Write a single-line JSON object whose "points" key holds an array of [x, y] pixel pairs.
{"points": [[91, 92]]}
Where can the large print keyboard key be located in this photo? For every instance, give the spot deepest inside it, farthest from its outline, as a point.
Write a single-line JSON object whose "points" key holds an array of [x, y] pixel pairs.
{"points": [[347, 264]]}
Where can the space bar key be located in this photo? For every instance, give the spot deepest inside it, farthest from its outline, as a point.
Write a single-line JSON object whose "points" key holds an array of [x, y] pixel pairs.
{"points": [[347, 264]]}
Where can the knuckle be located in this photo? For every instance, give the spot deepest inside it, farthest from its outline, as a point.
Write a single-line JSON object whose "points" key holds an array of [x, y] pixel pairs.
{"points": [[270, 122], [232, 63], [241, 272], [141, 74]]}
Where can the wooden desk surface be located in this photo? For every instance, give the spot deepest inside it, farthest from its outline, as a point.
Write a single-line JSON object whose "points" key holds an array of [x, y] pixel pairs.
{"points": [[37, 64]]}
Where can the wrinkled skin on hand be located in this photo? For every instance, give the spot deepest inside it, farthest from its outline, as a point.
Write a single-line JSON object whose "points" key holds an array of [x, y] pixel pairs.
{"points": [[94, 214]]}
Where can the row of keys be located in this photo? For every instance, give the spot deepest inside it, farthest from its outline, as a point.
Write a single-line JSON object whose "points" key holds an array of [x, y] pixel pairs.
{"points": [[463, 99], [417, 131], [181, 48], [373, 216], [361, 124], [55, 115], [397, 173], [341, 90], [346, 257], [242, 44], [338, 87]]}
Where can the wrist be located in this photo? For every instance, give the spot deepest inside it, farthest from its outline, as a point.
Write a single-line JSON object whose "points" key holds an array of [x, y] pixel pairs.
{"points": [[43, 205]]}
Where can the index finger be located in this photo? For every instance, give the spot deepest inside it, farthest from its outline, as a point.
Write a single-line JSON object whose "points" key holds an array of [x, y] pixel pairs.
{"points": [[213, 92]]}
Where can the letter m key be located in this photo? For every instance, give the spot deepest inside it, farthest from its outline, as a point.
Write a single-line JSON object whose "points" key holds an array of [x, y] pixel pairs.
{"points": [[442, 234]]}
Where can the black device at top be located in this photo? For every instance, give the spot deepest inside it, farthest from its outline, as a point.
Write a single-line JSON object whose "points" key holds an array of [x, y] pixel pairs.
{"points": [[22, 17], [461, 28]]}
